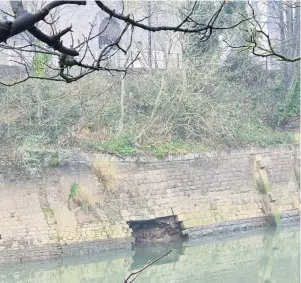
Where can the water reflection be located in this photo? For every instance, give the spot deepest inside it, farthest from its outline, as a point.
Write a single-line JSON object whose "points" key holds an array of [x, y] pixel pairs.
{"points": [[270, 256]]}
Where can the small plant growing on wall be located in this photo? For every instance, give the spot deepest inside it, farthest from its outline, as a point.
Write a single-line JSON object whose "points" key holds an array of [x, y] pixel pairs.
{"points": [[73, 190], [79, 197], [82, 198]]}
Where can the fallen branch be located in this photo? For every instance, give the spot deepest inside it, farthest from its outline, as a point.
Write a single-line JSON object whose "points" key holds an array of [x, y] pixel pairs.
{"points": [[136, 273]]}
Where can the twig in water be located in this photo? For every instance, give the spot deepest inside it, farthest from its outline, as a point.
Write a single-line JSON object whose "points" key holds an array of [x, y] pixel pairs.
{"points": [[135, 274]]}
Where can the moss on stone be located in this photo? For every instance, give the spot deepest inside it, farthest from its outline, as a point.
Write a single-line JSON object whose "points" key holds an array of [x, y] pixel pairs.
{"points": [[49, 215], [267, 187], [264, 180], [277, 219]]}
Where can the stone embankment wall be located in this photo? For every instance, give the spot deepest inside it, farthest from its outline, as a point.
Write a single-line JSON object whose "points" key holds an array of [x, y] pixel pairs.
{"points": [[90, 205]]}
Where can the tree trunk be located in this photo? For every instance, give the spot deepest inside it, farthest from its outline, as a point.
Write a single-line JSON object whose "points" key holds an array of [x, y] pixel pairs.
{"points": [[297, 31], [149, 36], [282, 23], [122, 94]]}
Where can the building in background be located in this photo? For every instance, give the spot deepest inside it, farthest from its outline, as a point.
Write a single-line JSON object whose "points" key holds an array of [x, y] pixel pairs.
{"points": [[157, 50]]}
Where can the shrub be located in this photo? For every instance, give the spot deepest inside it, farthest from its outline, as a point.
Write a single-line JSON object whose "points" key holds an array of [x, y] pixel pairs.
{"points": [[82, 196], [123, 145], [36, 154], [73, 190], [105, 171], [174, 148]]}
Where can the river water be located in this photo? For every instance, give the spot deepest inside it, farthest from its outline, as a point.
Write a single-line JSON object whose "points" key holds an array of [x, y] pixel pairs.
{"points": [[259, 257]]}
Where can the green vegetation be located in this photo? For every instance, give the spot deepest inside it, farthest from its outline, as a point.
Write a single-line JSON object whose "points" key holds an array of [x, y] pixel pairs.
{"points": [[49, 215], [277, 219], [81, 197], [37, 153], [217, 99], [74, 189], [264, 137], [174, 148], [123, 145], [290, 107], [40, 62], [174, 115]]}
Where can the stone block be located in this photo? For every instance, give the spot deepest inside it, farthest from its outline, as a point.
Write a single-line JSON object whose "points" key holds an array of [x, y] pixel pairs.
{"points": [[296, 203], [190, 223], [262, 163], [182, 217], [213, 205], [189, 156], [218, 219], [205, 221], [207, 213], [125, 213], [160, 213]]}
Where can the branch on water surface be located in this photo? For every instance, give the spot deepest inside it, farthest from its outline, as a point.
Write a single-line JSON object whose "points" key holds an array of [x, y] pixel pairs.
{"points": [[136, 273]]}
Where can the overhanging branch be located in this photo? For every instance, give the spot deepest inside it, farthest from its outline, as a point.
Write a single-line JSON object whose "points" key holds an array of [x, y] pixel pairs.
{"points": [[201, 28], [259, 42], [26, 21]]}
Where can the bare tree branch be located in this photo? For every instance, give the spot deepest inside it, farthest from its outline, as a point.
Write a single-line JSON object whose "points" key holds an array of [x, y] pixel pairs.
{"points": [[257, 37], [26, 21], [202, 28], [135, 274], [71, 69]]}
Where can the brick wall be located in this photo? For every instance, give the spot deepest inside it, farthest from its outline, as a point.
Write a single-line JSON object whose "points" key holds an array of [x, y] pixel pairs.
{"points": [[207, 192]]}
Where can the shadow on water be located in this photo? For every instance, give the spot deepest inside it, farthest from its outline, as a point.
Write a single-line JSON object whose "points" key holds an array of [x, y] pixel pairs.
{"points": [[260, 257]]}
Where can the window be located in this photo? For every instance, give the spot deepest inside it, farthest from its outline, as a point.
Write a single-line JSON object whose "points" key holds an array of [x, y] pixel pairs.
{"points": [[109, 31]]}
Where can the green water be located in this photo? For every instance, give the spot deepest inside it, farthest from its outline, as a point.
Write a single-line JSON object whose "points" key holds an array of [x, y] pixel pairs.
{"points": [[266, 256]]}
